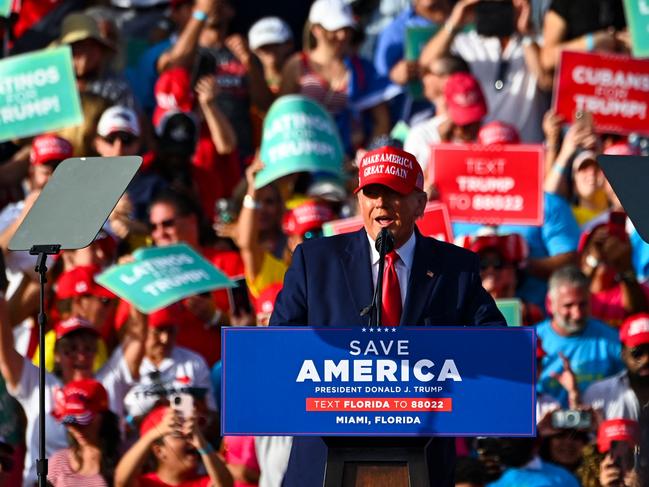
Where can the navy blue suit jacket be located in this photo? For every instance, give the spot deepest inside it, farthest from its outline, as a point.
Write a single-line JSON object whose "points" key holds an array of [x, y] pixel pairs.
{"points": [[330, 281]]}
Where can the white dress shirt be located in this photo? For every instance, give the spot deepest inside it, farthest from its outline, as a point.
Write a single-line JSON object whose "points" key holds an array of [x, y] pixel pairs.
{"points": [[614, 397], [406, 255]]}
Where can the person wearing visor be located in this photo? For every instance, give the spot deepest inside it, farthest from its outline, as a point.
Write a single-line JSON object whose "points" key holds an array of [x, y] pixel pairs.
{"points": [[93, 433], [426, 282]]}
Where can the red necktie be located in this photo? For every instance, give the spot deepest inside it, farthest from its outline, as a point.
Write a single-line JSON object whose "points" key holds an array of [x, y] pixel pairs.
{"points": [[391, 313]]}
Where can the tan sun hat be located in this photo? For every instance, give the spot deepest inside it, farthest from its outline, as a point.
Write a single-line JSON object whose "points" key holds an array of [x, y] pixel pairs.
{"points": [[78, 27]]}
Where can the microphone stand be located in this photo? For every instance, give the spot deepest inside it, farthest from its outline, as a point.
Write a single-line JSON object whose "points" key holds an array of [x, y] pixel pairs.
{"points": [[384, 244]]}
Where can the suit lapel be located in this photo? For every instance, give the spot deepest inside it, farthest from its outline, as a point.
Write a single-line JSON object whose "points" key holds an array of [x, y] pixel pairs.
{"points": [[358, 271], [423, 278]]}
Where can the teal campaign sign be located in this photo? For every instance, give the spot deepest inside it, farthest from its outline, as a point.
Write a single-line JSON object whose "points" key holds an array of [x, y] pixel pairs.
{"points": [[5, 7], [298, 136], [512, 311], [637, 18], [160, 276], [38, 93], [416, 39]]}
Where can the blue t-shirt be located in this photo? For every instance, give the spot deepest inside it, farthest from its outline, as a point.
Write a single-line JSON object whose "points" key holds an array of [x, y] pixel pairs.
{"points": [[546, 475], [143, 78], [593, 354], [639, 255], [215, 378], [558, 234]]}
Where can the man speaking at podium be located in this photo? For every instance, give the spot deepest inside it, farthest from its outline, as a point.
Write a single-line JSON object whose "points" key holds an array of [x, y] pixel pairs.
{"points": [[425, 282]]}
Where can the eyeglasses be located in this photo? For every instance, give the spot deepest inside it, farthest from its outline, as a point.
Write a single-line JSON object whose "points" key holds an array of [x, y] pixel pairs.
{"points": [[495, 263], [168, 223], [638, 352], [126, 139], [501, 74]]}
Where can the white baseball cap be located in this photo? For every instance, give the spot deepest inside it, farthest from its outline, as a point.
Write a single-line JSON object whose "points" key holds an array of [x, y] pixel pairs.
{"points": [[331, 14], [269, 30], [118, 119]]}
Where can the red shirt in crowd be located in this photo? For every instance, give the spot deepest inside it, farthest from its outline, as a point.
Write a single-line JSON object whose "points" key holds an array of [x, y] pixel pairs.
{"points": [[152, 480]]}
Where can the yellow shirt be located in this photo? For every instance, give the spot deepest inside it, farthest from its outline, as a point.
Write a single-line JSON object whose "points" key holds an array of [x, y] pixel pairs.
{"points": [[272, 272], [50, 339]]}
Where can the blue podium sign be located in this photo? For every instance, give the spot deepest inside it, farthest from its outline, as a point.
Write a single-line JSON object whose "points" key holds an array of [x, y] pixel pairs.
{"points": [[404, 381]]}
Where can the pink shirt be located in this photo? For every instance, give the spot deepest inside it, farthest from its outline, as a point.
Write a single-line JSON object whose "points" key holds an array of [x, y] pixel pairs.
{"points": [[240, 450]]}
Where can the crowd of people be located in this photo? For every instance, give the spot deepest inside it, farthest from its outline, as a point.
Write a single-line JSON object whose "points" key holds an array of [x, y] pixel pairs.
{"points": [[133, 399]]}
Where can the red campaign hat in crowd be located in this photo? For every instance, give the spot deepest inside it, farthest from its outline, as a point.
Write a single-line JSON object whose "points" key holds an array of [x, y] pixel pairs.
{"points": [[173, 92], [79, 401], [391, 167], [49, 148], [512, 247], [265, 302], [496, 133], [621, 149], [80, 281], [65, 327], [307, 216], [635, 330], [584, 238], [168, 316], [617, 430], [464, 99], [152, 419]]}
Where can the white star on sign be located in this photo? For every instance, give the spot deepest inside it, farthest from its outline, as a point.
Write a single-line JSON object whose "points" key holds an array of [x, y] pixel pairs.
{"points": [[363, 330]]}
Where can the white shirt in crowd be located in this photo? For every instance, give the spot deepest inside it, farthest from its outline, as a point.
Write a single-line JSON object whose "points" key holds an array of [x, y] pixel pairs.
{"points": [[273, 453], [114, 376], [614, 397], [183, 368], [519, 102], [420, 139]]}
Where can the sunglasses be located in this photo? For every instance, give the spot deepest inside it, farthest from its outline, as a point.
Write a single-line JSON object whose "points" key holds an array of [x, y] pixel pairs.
{"points": [[168, 223], [501, 74], [126, 139], [495, 263], [638, 352]]}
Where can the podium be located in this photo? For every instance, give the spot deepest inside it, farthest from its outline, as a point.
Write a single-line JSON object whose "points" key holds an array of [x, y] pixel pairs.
{"points": [[376, 462], [383, 401]]}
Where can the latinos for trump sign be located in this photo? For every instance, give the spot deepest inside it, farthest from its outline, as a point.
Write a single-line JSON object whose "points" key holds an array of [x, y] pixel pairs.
{"points": [[405, 381], [495, 184], [298, 136], [637, 18], [435, 223], [160, 276], [38, 93], [613, 88]]}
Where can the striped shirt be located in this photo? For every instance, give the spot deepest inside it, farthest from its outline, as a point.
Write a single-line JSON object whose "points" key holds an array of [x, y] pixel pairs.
{"points": [[60, 473]]}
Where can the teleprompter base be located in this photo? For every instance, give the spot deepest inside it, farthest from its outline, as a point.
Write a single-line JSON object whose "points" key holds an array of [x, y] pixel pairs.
{"points": [[376, 462]]}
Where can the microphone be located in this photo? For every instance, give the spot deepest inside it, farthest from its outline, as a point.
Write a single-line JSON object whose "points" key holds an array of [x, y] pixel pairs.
{"points": [[384, 242]]}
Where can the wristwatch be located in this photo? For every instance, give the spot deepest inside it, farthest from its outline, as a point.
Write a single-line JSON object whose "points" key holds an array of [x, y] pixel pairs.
{"points": [[250, 202]]}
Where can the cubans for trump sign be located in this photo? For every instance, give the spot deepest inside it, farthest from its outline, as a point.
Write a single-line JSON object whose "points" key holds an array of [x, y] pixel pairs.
{"points": [[38, 93], [404, 381], [613, 88], [160, 276], [435, 223], [494, 185]]}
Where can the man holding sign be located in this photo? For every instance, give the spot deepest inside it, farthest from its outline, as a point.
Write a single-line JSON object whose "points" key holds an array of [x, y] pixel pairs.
{"points": [[426, 282]]}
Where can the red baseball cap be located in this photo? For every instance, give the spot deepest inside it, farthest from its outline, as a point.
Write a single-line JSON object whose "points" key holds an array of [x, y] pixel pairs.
{"points": [[172, 315], [49, 148], [265, 302], [512, 247], [617, 430], [307, 216], [496, 132], [152, 419], [584, 238], [173, 92], [65, 327], [391, 167], [465, 101], [79, 401], [635, 330], [80, 281]]}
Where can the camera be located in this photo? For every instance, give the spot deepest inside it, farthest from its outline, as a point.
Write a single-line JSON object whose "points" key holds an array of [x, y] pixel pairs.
{"points": [[571, 419]]}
